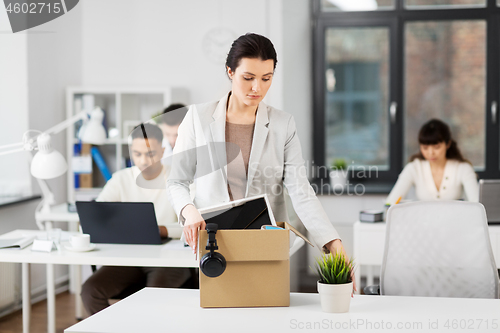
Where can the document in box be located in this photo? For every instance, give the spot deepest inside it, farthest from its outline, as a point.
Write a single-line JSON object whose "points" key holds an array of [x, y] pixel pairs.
{"points": [[246, 213], [17, 243]]}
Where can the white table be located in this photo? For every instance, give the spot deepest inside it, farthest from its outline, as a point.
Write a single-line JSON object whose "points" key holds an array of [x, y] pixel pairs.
{"points": [[60, 213], [172, 254], [44, 221], [176, 310], [369, 243]]}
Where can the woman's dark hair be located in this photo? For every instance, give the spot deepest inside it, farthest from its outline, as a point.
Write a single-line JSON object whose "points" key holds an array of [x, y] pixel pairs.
{"points": [[250, 46], [436, 131]]}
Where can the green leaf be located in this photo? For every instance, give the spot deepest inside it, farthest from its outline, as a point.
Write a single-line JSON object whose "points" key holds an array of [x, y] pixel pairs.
{"points": [[334, 268]]}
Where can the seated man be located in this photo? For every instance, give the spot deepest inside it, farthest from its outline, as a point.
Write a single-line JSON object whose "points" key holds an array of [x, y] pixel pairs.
{"points": [[149, 172]]}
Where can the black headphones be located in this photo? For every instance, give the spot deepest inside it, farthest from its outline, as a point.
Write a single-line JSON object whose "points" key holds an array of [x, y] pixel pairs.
{"points": [[212, 264]]}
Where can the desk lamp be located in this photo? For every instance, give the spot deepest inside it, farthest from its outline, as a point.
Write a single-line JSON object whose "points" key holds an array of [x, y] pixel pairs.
{"points": [[48, 163]]}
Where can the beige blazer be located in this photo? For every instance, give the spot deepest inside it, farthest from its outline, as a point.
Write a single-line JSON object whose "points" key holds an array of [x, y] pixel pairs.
{"points": [[275, 162]]}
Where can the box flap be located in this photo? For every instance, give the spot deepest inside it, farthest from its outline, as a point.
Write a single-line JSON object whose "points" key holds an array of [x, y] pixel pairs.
{"points": [[287, 226], [249, 245]]}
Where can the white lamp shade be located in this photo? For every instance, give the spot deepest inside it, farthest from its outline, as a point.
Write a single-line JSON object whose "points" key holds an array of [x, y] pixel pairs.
{"points": [[93, 132], [47, 163]]}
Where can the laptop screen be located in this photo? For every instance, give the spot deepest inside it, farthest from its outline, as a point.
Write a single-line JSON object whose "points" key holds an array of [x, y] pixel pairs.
{"points": [[119, 222]]}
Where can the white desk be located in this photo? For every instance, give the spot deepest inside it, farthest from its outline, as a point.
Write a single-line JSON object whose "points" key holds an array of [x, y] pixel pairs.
{"points": [[172, 254], [176, 310], [369, 242]]}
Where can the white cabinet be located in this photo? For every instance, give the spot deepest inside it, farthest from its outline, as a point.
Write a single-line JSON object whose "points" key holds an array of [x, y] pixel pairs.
{"points": [[124, 108]]}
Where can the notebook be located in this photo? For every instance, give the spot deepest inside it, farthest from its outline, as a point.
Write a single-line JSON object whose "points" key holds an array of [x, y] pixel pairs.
{"points": [[17, 243]]}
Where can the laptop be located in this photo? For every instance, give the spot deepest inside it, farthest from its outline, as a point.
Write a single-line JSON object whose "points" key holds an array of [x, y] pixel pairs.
{"points": [[120, 222], [489, 196], [246, 213]]}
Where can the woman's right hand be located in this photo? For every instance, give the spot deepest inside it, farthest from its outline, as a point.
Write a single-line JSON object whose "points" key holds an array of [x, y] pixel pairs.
{"points": [[193, 222]]}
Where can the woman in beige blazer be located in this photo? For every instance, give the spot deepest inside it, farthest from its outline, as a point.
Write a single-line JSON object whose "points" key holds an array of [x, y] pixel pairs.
{"points": [[240, 147]]}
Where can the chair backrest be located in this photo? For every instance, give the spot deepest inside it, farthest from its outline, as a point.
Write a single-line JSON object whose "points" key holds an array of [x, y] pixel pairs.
{"points": [[438, 248]]}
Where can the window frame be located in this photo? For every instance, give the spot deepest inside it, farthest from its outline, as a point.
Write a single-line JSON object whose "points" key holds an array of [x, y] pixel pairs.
{"points": [[396, 20]]}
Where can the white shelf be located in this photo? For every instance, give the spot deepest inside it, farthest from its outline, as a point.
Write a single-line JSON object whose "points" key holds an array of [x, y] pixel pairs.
{"points": [[120, 104]]}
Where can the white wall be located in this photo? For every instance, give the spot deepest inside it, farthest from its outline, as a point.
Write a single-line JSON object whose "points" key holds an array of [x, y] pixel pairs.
{"points": [[184, 43], [178, 43], [54, 62], [14, 168], [296, 69]]}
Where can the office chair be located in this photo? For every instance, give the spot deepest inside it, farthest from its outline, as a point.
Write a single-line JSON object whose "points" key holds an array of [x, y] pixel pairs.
{"points": [[437, 248]]}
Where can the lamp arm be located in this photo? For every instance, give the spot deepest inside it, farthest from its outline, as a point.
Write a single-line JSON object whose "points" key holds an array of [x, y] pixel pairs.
{"points": [[83, 115], [30, 143], [14, 145], [13, 148], [47, 195], [22, 146], [11, 151]]}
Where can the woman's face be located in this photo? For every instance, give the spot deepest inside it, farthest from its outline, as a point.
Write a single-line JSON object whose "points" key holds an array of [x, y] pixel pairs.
{"points": [[251, 80], [434, 153]]}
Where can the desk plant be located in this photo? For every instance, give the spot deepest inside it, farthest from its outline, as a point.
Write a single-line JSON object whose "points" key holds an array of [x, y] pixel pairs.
{"points": [[338, 175], [335, 282]]}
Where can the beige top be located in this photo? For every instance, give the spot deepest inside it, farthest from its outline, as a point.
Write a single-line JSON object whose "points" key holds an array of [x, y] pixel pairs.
{"points": [[459, 178], [238, 146]]}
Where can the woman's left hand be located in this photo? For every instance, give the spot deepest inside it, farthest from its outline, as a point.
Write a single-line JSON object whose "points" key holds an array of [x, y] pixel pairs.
{"points": [[336, 246]]}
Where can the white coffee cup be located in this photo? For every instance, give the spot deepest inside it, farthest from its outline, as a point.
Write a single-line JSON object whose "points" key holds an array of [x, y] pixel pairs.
{"points": [[81, 241]]}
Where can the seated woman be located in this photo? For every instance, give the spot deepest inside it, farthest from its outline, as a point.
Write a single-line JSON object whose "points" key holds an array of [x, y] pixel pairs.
{"points": [[438, 171]]}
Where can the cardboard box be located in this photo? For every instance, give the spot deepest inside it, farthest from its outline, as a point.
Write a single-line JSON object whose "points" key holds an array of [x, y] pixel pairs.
{"points": [[257, 271]]}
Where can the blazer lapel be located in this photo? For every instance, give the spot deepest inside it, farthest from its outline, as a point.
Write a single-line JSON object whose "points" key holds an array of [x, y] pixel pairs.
{"points": [[259, 139], [217, 145]]}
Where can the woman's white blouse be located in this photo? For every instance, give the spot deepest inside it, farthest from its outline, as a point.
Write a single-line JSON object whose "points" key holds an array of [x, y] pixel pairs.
{"points": [[458, 178]]}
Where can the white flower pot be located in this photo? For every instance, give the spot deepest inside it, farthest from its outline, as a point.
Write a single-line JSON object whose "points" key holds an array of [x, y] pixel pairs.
{"points": [[335, 298], [338, 179]]}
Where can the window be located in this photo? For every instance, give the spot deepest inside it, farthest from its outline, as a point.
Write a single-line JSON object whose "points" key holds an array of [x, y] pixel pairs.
{"points": [[381, 72], [357, 78], [445, 78]]}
